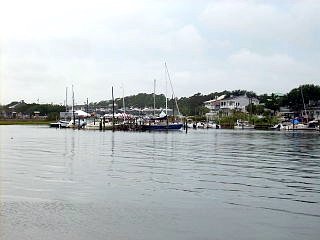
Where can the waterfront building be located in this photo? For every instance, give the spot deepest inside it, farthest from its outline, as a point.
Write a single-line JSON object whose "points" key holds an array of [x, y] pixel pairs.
{"points": [[227, 105]]}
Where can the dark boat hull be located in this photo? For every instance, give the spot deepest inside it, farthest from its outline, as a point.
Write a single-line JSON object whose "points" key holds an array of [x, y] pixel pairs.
{"points": [[59, 124], [162, 127]]}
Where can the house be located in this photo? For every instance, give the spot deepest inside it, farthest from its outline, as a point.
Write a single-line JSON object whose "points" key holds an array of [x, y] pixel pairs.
{"points": [[237, 103], [285, 113], [214, 104], [214, 107], [312, 110], [12, 109], [36, 114], [311, 113], [13, 105], [227, 105]]}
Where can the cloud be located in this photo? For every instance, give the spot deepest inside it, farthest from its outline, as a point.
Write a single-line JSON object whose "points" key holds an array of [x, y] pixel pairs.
{"points": [[36, 19], [245, 69], [295, 22], [237, 15], [208, 45]]}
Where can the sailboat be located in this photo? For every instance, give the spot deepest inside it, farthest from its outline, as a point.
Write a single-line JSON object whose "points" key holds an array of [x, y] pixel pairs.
{"points": [[161, 123], [77, 123], [62, 123]]}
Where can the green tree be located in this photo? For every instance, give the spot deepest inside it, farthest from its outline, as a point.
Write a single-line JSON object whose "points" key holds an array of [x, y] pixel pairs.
{"points": [[309, 92], [273, 102], [255, 109]]}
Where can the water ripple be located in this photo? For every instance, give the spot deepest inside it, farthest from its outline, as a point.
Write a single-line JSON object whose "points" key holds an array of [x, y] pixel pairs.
{"points": [[42, 169]]}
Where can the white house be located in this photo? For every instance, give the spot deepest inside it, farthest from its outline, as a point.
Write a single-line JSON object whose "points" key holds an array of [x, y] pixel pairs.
{"points": [[226, 106], [214, 104]]}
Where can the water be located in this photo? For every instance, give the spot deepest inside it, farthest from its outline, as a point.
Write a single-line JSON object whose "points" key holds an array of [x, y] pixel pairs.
{"points": [[207, 184]]}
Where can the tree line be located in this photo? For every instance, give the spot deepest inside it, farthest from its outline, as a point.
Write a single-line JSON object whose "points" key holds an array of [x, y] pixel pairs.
{"points": [[50, 110], [193, 105]]}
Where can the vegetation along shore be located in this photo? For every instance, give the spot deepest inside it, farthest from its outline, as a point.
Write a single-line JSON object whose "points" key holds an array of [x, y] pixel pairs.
{"points": [[23, 122], [263, 110]]}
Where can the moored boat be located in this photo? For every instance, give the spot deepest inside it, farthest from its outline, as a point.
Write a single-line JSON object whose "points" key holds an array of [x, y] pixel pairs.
{"points": [[240, 124], [77, 123], [93, 125], [162, 127], [60, 124], [160, 123], [296, 125]]}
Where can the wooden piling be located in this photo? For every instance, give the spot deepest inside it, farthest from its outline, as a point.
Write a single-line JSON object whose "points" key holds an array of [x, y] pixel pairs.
{"points": [[186, 126], [112, 109]]}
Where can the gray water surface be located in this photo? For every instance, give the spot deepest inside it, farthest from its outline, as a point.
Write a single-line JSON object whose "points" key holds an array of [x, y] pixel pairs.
{"points": [[207, 184]]}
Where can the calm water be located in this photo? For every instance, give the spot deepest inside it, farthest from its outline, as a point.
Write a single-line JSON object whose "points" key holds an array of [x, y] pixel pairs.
{"points": [[207, 184]]}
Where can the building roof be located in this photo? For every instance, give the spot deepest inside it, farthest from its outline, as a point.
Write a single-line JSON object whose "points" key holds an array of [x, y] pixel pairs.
{"points": [[216, 99], [236, 97]]}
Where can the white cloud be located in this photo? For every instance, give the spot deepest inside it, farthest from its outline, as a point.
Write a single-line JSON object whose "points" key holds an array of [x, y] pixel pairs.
{"points": [[237, 15], [208, 46], [249, 70], [37, 19], [189, 38], [294, 22]]}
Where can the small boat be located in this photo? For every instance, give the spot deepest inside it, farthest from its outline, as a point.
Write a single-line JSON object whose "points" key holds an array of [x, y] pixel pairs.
{"points": [[202, 125], [93, 125], [207, 125], [191, 124], [312, 125], [213, 125], [299, 126], [78, 123], [103, 123], [278, 126], [240, 124], [60, 124]]}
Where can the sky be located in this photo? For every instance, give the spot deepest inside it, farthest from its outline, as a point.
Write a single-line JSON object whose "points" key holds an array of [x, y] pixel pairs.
{"points": [[262, 46]]}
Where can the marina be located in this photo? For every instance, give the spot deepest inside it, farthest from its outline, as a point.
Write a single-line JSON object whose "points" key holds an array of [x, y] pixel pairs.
{"points": [[136, 123], [159, 120]]}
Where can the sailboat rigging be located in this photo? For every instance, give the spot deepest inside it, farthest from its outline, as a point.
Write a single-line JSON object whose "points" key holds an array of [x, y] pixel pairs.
{"points": [[304, 105], [175, 99], [162, 122]]}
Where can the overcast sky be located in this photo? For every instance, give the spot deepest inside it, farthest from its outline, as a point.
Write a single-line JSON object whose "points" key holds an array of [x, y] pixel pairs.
{"points": [[264, 46]]}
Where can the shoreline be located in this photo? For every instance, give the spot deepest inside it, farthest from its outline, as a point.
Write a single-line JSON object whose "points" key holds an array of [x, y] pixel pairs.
{"points": [[24, 122]]}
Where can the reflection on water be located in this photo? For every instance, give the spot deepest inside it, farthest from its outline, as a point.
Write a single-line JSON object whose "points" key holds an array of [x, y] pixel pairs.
{"points": [[218, 184]]}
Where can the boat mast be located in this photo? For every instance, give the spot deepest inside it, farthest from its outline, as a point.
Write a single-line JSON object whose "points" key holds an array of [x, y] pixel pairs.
{"points": [[304, 105], [172, 107], [66, 99], [73, 115], [154, 97], [175, 99], [87, 105], [112, 109], [166, 92], [123, 103]]}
